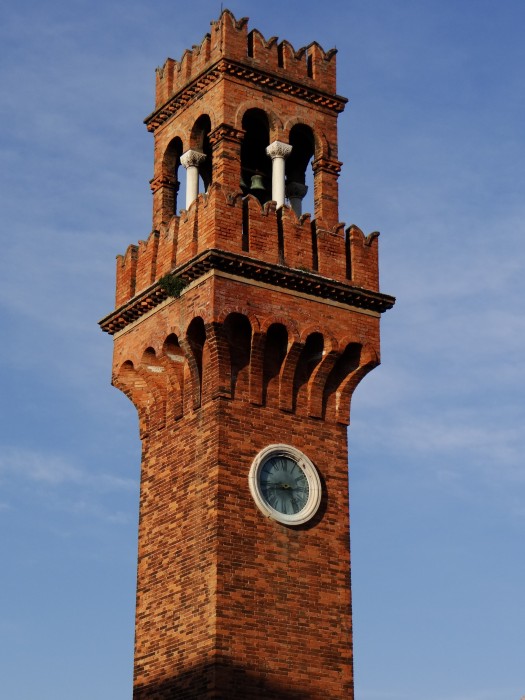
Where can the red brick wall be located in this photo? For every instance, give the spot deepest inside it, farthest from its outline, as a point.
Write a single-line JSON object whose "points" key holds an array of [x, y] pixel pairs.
{"points": [[225, 596]]}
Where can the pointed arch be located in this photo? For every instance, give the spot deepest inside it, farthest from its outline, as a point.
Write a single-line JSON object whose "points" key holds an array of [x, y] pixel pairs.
{"points": [[173, 360], [238, 332], [154, 375], [275, 351], [193, 347], [369, 359], [311, 356], [129, 381]]}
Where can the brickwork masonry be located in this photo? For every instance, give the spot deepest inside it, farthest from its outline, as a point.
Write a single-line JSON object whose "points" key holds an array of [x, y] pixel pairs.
{"points": [[241, 225], [230, 39], [275, 324], [231, 604]]}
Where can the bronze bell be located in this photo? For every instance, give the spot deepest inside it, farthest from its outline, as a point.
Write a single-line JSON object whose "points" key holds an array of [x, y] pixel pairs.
{"points": [[257, 182]]}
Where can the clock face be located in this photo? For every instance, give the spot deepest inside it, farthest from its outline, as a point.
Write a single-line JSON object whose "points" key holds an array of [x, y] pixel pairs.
{"points": [[285, 484]]}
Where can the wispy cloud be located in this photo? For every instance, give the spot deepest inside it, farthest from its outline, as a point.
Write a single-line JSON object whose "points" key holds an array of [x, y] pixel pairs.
{"points": [[95, 510], [455, 433], [56, 470]]}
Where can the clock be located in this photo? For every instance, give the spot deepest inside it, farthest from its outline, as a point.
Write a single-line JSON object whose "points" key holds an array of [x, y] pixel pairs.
{"points": [[285, 484]]}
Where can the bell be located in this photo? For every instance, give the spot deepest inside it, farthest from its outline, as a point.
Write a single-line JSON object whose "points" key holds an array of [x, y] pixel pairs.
{"points": [[257, 182], [244, 186]]}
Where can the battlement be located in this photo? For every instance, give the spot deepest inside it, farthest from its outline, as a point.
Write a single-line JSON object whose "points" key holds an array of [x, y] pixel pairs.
{"points": [[241, 226], [230, 39]]}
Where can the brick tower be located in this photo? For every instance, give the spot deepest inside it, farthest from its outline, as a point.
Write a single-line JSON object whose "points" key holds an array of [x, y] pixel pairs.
{"points": [[242, 327]]}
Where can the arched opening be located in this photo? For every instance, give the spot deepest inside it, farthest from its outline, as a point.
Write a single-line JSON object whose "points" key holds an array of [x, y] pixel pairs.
{"points": [[311, 356], [149, 360], [256, 166], [129, 381], [299, 176], [170, 168], [275, 350], [196, 337], [155, 377], [173, 351], [238, 332], [200, 141], [347, 362]]}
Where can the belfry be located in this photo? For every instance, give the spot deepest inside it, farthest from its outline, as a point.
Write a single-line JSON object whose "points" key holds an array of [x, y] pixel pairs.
{"points": [[242, 326]]}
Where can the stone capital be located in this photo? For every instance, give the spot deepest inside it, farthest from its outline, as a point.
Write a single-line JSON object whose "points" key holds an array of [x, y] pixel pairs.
{"points": [[278, 149], [192, 158]]}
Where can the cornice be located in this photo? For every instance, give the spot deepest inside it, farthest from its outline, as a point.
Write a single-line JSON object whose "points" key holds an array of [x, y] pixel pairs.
{"points": [[275, 275], [224, 66]]}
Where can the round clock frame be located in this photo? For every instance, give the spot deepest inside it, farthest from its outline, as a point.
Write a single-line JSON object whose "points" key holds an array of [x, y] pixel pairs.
{"points": [[298, 490]]}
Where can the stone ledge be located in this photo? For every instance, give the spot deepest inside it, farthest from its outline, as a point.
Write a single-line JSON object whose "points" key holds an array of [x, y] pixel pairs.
{"points": [[244, 72], [276, 275]]}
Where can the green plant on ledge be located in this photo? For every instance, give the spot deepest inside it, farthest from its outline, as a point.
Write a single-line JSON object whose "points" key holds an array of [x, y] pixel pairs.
{"points": [[172, 285]]}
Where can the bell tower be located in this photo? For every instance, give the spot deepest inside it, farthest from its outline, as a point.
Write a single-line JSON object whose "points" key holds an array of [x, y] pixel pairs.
{"points": [[242, 327]]}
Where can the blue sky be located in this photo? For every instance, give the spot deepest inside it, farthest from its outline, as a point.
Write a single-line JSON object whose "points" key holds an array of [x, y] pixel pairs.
{"points": [[433, 150]]}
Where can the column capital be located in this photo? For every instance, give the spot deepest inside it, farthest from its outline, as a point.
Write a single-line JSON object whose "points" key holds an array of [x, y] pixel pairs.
{"points": [[278, 149], [192, 158]]}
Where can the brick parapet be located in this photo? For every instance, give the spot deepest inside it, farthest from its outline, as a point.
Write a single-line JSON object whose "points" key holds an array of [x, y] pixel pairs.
{"points": [[242, 226], [363, 257], [229, 39], [126, 274]]}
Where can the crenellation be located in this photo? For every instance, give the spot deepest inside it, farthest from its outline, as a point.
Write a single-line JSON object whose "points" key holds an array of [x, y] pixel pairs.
{"points": [[286, 54], [364, 258], [167, 250], [321, 66], [241, 225], [230, 39], [201, 54], [229, 36], [146, 261], [262, 230], [331, 251], [126, 275], [188, 232], [221, 221], [164, 81], [263, 52], [297, 237]]}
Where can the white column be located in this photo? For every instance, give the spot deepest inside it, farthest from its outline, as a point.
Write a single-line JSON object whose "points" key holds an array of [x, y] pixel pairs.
{"points": [[278, 152], [296, 192], [191, 161]]}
